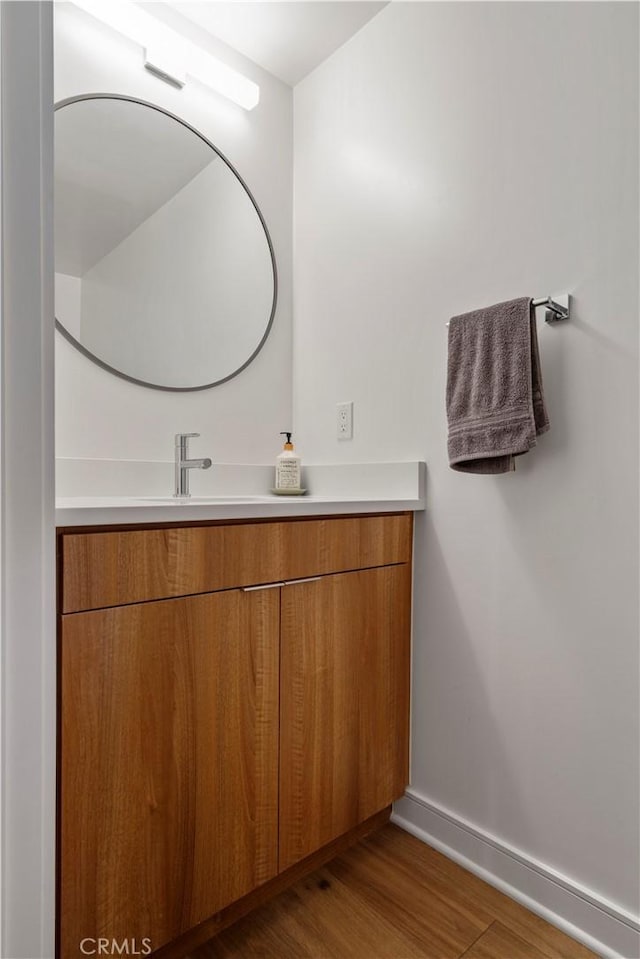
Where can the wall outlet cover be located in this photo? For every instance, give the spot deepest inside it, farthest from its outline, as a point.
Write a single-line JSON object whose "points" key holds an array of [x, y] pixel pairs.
{"points": [[344, 420]]}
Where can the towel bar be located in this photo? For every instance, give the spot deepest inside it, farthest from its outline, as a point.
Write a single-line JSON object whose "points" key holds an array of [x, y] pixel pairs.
{"points": [[557, 307]]}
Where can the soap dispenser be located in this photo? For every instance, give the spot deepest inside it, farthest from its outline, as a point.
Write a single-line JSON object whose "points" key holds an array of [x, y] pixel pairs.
{"points": [[288, 468]]}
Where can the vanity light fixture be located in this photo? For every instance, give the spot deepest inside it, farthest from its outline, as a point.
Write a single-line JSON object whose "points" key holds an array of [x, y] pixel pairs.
{"points": [[170, 56]]}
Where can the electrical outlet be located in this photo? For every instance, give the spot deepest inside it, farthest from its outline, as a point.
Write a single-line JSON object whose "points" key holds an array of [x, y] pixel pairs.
{"points": [[344, 420]]}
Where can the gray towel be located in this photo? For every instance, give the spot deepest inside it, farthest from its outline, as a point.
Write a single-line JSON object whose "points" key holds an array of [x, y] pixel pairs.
{"points": [[495, 404]]}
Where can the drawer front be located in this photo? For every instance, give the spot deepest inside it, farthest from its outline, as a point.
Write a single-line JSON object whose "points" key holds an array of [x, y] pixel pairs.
{"points": [[116, 568]]}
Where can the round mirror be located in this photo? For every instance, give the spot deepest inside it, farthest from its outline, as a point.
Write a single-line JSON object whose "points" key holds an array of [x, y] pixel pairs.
{"points": [[165, 272]]}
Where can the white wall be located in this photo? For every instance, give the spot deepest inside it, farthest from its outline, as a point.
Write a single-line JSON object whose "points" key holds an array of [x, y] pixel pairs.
{"points": [[449, 156], [240, 420], [68, 294]]}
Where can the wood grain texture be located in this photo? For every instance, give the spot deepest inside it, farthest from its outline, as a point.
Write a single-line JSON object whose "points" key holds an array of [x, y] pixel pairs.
{"points": [[391, 897], [439, 876], [114, 568], [212, 927], [344, 703], [169, 763], [500, 941], [443, 926]]}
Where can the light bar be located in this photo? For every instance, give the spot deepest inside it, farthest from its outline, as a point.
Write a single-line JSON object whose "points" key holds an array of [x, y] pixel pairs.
{"points": [[170, 56]]}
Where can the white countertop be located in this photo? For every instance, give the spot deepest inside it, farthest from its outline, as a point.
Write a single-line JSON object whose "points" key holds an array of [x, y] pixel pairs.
{"points": [[333, 490], [121, 510]]}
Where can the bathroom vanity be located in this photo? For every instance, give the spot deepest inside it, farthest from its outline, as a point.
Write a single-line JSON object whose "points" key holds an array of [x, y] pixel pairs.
{"points": [[234, 709], [233, 669]]}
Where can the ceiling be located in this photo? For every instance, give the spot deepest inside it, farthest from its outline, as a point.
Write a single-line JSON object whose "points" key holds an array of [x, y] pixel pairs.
{"points": [[289, 39], [105, 185]]}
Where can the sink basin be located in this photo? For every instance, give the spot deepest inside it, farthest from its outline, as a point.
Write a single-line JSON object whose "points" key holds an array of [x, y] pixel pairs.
{"points": [[199, 500]]}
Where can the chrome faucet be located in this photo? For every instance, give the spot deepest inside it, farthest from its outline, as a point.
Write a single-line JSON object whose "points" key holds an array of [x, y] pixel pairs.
{"points": [[184, 464]]}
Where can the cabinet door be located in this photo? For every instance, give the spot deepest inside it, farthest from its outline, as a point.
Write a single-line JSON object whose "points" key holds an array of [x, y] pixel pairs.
{"points": [[344, 703], [168, 765]]}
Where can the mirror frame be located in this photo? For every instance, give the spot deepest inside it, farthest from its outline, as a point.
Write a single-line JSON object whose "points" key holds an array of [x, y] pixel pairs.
{"points": [[111, 369]]}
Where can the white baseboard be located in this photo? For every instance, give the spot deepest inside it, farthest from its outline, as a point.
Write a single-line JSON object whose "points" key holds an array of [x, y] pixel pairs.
{"points": [[607, 929]]}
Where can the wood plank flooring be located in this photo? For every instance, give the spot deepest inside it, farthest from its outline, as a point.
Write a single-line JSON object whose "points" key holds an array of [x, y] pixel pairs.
{"points": [[392, 897]]}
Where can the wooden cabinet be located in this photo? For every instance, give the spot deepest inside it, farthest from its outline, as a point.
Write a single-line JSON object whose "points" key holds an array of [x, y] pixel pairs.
{"points": [[169, 763], [212, 736], [344, 704], [112, 568]]}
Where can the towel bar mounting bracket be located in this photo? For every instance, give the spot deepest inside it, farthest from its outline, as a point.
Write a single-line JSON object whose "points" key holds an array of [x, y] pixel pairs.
{"points": [[557, 308]]}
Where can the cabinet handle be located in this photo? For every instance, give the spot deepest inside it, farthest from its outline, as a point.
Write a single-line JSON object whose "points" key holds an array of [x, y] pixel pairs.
{"points": [[289, 582], [309, 579], [253, 589]]}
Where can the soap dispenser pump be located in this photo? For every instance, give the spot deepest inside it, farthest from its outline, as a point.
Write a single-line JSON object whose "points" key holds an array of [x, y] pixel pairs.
{"points": [[288, 467]]}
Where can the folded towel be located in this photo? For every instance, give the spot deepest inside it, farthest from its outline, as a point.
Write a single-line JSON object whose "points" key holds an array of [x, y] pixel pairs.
{"points": [[495, 404]]}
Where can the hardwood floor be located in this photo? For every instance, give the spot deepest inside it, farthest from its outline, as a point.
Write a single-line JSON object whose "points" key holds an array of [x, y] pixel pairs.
{"points": [[392, 897]]}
